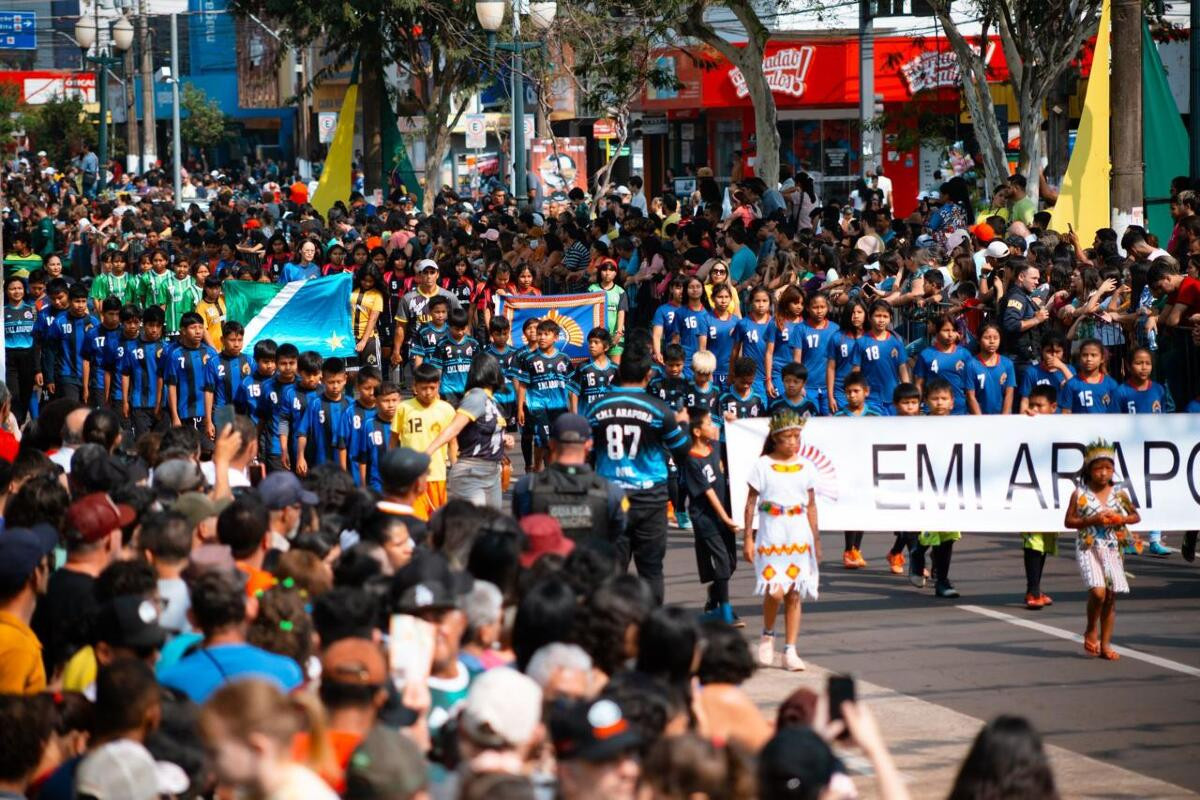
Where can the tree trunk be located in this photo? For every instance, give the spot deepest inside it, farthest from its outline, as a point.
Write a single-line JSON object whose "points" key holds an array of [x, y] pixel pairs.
{"points": [[373, 95], [973, 73], [1030, 161], [602, 178], [437, 143], [766, 128]]}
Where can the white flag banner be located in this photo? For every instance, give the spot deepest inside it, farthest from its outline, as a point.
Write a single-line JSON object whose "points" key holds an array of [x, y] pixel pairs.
{"points": [[990, 473]]}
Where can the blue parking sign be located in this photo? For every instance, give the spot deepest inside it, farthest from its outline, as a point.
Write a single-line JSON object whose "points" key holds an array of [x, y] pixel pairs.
{"points": [[18, 30]]}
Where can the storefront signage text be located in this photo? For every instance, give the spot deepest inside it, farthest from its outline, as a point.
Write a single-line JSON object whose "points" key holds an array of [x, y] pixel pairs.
{"points": [[785, 70]]}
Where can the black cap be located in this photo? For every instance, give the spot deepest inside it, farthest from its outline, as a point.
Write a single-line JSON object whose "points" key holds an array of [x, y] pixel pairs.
{"points": [[795, 763], [427, 583], [21, 550], [571, 429], [130, 620], [592, 730], [400, 467]]}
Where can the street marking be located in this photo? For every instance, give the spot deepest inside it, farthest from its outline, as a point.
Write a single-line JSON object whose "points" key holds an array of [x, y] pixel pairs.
{"points": [[1124, 652]]}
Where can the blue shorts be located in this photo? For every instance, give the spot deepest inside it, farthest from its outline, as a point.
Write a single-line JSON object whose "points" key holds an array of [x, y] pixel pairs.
{"points": [[540, 421]]}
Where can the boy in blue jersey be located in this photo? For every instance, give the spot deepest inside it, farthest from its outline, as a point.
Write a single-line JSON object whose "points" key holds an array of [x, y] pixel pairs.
{"points": [[131, 328], [186, 376], [1049, 370], [249, 392], [1140, 395], [230, 367], [373, 437], [429, 333], [795, 397], [141, 379], [102, 339], [66, 337], [317, 432], [671, 386], [57, 300], [857, 391], [703, 391], [528, 346], [452, 355], [593, 378], [308, 383], [741, 401], [499, 348], [544, 388], [366, 383], [275, 408]]}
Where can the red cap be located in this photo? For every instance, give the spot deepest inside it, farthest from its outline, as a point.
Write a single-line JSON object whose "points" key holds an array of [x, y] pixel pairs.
{"points": [[983, 232], [94, 516], [543, 535]]}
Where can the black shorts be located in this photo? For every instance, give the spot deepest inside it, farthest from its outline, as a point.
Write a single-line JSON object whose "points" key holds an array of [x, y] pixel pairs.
{"points": [[541, 421], [716, 546]]}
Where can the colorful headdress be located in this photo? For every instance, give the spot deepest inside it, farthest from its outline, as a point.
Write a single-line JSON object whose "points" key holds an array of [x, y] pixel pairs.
{"points": [[786, 421], [1098, 449]]}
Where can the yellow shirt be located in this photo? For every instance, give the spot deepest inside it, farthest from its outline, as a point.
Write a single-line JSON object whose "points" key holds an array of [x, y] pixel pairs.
{"points": [[213, 315], [81, 669], [418, 425], [21, 670], [361, 305]]}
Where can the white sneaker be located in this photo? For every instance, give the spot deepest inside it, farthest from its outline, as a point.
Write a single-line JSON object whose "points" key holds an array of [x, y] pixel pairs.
{"points": [[792, 660], [766, 651]]}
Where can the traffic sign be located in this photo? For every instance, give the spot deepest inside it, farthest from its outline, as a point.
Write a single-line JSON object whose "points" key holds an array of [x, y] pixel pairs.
{"points": [[476, 126], [326, 125], [18, 30], [604, 129]]}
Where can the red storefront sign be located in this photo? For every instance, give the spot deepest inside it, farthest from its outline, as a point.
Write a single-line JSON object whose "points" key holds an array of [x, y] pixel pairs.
{"points": [[38, 86]]}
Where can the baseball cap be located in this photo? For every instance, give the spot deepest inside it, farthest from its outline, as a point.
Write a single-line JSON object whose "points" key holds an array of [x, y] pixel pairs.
{"points": [[543, 535], [427, 583], [997, 249], [924, 240], [130, 620], [178, 475], [983, 232], [427, 264], [796, 762], [282, 489], [502, 709], [354, 662], [491, 234], [955, 238], [120, 770], [198, 507], [94, 516], [592, 730], [624, 191], [571, 429], [385, 766], [22, 549], [402, 466]]}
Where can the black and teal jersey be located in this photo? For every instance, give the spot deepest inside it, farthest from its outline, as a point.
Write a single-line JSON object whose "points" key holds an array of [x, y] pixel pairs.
{"points": [[673, 391], [225, 375], [249, 395], [186, 368], [94, 349], [18, 326], [507, 359], [142, 362], [635, 435], [366, 445], [805, 408], [114, 354], [548, 381], [320, 426], [742, 407], [707, 398], [592, 382], [66, 337], [426, 339], [453, 358]]}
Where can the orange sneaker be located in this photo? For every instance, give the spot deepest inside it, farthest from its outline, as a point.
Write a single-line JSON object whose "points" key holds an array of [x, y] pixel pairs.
{"points": [[670, 515], [858, 557], [849, 561], [896, 562], [1033, 602]]}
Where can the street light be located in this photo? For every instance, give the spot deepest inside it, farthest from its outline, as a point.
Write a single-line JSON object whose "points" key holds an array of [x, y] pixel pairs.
{"points": [[86, 34], [491, 16]]}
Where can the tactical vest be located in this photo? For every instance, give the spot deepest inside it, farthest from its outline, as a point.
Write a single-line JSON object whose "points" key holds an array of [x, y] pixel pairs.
{"points": [[576, 497]]}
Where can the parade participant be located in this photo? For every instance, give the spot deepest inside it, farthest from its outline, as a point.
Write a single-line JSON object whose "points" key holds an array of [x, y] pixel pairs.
{"points": [[991, 378], [714, 530], [230, 367], [415, 307], [842, 358], [1050, 369], [182, 294], [305, 267], [544, 388], [671, 387], [512, 375], [814, 335], [782, 537], [939, 399], [418, 422], [316, 432], [1140, 395], [20, 365], [452, 355], [366, 307], [907, 401], [187, 378], [1092, 391], [944, 358], [616, 304], [663, 324], [211, 308], [249, 393], [789, 312], [593, 378], [722, 325], [355, 416], [691, 322], [96, 347], [1036, 546], [795, 398], [703, 391], [367, 444], [275, 408], [65, 338], [500, 347], [141, 371], [881, 359], [1101, 514], [741, 401]]}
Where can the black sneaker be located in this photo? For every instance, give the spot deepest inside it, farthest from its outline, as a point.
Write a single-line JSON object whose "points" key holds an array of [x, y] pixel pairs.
{"points": [[916, 569], [946, 590], [1189, 546]]}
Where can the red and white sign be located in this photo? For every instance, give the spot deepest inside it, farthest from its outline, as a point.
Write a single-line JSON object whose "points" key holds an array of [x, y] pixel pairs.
{"points": [[604, 129], [38, 87], [785, 71], [937, 70]]}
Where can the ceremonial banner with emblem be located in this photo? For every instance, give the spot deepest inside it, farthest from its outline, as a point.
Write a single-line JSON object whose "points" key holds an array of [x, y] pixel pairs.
{"points": [[576, 314], [313, 314]]}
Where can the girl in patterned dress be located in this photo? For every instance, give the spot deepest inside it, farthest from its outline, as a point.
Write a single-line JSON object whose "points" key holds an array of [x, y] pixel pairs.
{"points": [[1101, 512], [781, 508]]}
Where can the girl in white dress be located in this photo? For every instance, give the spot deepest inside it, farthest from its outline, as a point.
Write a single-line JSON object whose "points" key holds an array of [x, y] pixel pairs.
{"points": [[781, 508], [1101, 512]]}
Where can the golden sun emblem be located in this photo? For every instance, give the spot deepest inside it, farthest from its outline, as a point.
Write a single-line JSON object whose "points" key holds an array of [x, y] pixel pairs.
{"points": [[571, 332]]}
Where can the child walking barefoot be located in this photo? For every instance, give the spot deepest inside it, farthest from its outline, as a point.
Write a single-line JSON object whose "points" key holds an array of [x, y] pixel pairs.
{"points": [[781, 507], [1100, 512]]}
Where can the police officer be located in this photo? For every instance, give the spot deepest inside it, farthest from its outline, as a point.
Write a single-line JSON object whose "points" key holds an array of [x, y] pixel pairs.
{"points": [[1021, 316], [584, 503], [636, 434]]}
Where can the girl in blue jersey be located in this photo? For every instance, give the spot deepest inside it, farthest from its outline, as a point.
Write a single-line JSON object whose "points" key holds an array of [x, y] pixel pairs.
{"points": [[750, 338], [664, 317], [691, 323], [842, 356], [944, 358], [718, 339], [814, 335], [881, 359], [1140, 395], [780, 344], [1091, 391], [991, 377]]}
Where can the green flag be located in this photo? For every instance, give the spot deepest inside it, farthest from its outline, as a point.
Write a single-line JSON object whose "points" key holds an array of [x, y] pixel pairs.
{"points": [[1164, 140], [244, 299]]}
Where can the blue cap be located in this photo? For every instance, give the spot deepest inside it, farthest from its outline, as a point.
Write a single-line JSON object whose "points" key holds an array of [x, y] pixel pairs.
{"points": [[21, 550], [282, 489]]}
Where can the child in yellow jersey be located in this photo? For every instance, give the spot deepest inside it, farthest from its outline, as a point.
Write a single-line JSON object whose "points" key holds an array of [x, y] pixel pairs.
{"points": [[418, 422], [211, 309]]}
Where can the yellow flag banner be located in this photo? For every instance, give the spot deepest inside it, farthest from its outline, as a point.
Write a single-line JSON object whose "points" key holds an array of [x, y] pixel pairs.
{"points": [[1084, 201], [334, 184]]}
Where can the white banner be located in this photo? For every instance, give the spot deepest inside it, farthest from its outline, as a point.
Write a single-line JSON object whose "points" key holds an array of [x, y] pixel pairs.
{"points": [[1013, 473]]}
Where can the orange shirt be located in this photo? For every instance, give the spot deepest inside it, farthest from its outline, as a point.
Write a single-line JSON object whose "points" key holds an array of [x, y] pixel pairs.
{"points": [[342, 743], [21, 670], [259, 579]]}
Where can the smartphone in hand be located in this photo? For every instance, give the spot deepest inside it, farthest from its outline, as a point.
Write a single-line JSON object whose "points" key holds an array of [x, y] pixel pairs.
{"points": [[841, 690]]}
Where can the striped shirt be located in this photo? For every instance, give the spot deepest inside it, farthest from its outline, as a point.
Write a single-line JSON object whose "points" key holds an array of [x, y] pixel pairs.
{"points": [[187, 370]]}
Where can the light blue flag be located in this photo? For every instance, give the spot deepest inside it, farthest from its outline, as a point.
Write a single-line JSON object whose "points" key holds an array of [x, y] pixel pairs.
{"points": [[576, 315], [312, 314]]}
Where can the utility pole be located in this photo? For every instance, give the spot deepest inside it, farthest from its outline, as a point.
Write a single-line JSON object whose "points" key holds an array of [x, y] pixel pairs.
{"points": [[176, 154], [133, 143], [1127, 167], [149, 129], [866, 87]]}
